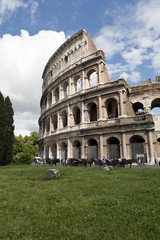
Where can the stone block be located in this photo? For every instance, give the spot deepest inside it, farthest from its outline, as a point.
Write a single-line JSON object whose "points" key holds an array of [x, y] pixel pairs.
{"points": [[51, 173]]}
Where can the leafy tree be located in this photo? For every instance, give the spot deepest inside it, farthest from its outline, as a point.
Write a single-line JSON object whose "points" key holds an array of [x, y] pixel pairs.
{"points": [[9, 132], [25, 148], [2, 128]]}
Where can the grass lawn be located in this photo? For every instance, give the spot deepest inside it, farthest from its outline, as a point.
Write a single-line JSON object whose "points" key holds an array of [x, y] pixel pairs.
{"points": [[84, 203]]}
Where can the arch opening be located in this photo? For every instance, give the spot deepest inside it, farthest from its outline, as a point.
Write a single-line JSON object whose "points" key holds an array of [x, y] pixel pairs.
{"points": [[155, 107], [64, 119], [77, 115], [63, 151], [50, 100], [78, 84], [92, 78], [65, 89], [92, 149], [137, 147], [56, 94], [76, 149], [111, 108], [54, 151], [92, 107], [138, 108], [113, 148], [55, 122]]}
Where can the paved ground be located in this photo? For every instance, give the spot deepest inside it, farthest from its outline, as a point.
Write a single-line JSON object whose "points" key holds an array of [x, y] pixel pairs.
{"points": [[143, 166]]}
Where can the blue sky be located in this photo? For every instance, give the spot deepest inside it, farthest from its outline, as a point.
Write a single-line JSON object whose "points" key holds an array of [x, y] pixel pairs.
{"points": [[31, 30]]}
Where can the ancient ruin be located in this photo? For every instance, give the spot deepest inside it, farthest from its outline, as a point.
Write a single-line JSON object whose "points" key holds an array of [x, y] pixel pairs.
{"points": [[86, 115]]}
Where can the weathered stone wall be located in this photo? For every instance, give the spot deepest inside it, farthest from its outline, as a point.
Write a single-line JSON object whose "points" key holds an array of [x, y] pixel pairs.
{"points": [[82, 109]]}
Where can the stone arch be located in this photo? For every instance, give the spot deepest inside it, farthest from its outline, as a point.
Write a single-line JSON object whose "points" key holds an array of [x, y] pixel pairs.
{"points": [[137, 146], [92, 148], [76, 149], [155, 106], [76, 115], [64, 118], [92, 110], [158, 139], [47, 125], [77, 84], [113, 148], [50, 99], [92, 78], [45, 103], [111, 108], [65, 89], [47, 152], [55, 122], [63, 150], [56, 94], [138, 108], [54, 150]]}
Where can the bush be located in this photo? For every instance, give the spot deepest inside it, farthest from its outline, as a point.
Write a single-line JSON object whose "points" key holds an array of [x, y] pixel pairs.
{"points": [[22, 158]]}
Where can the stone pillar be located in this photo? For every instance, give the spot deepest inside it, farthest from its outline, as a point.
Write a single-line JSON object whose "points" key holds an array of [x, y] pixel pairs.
{"points": [[60, 92], [99, 108], [82, 112], [69, 116], [150, 142], [99, 73], [83, 86], [50, 151], [58, 151], [121, 102], [44, 153], [83, 148], [124, 149], [68, 148], [70, 86], [51, 125], [101, 153]]}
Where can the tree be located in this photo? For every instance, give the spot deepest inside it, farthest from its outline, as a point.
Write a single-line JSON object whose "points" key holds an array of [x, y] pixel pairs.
{"points": [[25, 148], [2, 128], [9, 128]]}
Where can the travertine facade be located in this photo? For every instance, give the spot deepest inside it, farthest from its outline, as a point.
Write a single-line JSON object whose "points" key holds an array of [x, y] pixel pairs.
{"points": [[86, 115]]}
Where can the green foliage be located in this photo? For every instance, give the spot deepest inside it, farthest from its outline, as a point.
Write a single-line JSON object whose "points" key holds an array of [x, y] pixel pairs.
{"points": [[25, 148], [2, 128], [6, 130], [9, 139], [84, 203]]}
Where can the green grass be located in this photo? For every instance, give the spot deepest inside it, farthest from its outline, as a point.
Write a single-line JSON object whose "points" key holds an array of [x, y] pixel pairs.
{"points": [[84, 203]]}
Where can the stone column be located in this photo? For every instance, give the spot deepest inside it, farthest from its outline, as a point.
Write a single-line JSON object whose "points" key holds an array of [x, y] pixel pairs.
{"points": [[99, 108], [82, 112], [83, 148], [69, 116], [101, 153], [124, 149], [151, 151], [121, 103], [68, 148], [83, 86], [51, 125], [44, 153], [50, 151], [70, 86], [99, 73], [58, 150], [60, 92]]}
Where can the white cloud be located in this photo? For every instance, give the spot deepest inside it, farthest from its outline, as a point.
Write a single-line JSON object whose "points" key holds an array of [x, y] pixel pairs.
{"points": [[22, 61], [8, 7], [135, 35]]}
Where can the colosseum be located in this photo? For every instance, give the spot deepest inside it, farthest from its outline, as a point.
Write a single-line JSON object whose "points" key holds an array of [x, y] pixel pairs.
{"points": [[84, 114]]}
